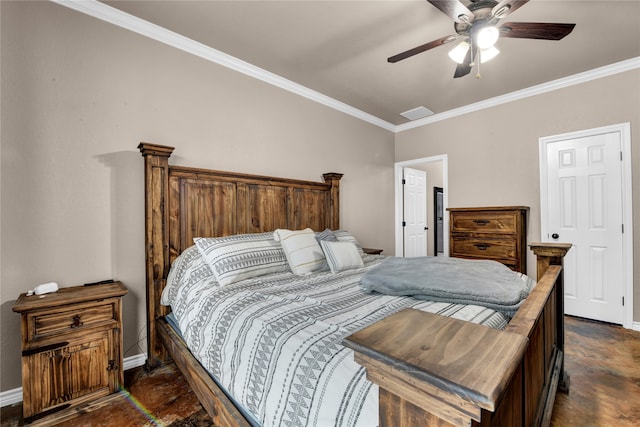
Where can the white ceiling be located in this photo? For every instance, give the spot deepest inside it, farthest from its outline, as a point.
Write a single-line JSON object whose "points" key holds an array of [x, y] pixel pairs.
{"points": [[340, 48]]}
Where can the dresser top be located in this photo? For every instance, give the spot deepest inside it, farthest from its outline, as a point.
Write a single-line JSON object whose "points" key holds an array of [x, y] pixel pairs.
{"points": [[490, 208], [69, 295]]}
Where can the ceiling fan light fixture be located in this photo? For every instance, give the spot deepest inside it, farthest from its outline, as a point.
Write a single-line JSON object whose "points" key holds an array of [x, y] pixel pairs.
{"points": [[458, 53], [487, 37], [487, 55]]}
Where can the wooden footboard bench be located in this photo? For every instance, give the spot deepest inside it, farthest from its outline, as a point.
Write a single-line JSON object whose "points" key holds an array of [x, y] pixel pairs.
{"points": [[434, 370]]}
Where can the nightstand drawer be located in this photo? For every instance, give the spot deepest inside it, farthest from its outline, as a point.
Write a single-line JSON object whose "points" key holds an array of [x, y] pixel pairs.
{"points": [[484, 248], [73, 318], [484, 222]]}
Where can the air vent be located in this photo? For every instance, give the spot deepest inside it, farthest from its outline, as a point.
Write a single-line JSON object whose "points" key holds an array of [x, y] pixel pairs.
{"points": [[417, 113]]}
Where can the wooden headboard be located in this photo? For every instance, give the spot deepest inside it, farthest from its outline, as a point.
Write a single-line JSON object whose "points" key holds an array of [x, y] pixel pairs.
{"points": [[183, 202]]}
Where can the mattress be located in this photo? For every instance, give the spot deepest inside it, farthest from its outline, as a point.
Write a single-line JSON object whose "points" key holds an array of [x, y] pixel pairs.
{"points": [[273, 342]]}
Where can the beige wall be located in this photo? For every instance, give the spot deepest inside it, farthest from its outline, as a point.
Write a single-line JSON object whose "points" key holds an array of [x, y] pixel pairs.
{"points": [[78, 95], [493, 153]]}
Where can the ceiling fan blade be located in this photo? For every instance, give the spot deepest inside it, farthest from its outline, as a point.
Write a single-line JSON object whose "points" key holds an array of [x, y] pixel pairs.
{"points": [[464, 68], [420, 49], [506, 7], [535, 30], [454, 10]]}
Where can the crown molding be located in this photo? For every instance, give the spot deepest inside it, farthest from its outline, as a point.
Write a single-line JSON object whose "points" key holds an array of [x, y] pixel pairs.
{"points": [[129, 22], [607, 70]]}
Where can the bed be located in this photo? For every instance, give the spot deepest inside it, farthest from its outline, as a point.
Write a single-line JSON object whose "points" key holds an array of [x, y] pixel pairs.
{"points": [[183, 203]]}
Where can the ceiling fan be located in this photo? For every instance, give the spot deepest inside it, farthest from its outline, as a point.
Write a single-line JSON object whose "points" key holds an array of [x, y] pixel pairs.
{"points": [[477, 24]]}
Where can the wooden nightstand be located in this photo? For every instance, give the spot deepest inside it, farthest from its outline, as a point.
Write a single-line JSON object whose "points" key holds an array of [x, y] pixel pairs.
{"points": [[372, 251], [71, 347]]}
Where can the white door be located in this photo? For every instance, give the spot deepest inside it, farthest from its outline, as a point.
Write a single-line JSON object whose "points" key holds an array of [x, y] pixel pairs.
{"points": [[415, 212], [584, 208]]}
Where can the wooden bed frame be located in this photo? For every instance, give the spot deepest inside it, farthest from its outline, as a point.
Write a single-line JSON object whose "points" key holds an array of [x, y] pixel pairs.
{"points": [[182, 203]]}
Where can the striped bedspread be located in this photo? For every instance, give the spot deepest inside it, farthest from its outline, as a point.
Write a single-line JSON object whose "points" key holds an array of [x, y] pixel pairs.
{"points": [[274, 341]]}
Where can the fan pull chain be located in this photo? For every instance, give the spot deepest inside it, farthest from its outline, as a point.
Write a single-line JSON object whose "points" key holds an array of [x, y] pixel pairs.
{"points": [[478, 76]]}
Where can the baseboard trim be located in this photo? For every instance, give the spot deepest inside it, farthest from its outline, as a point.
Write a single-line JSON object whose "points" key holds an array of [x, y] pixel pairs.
{"points": [[11, 397], [134, 361], [635, 326]]}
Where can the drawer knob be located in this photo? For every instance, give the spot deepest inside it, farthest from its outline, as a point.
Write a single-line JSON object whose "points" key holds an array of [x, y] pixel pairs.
{"points": [[482, 246], [481, 221], [76, 321]]}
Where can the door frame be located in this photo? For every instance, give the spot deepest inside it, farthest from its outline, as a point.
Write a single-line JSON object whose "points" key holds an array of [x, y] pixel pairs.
{"points": [[627, 214], [398, 166], [436, 236]]}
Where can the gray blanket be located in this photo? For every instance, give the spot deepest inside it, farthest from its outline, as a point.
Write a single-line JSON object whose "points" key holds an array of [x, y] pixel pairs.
{"points": [[479, 282]]}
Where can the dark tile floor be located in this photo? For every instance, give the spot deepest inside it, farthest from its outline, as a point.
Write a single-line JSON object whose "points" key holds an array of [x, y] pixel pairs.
{"points": [[603, 362], [158, 398]]}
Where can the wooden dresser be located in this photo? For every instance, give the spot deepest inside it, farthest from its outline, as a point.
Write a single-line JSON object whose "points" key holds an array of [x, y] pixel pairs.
{"points": [[71, 347], [498, 233]]}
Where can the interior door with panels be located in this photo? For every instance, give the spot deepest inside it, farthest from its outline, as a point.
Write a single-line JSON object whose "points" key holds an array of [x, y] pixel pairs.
{"points": [[415, 212], [584, 208]]}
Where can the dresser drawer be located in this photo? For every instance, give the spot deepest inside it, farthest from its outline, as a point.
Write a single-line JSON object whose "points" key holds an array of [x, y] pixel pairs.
{"points": [[484, 222], [484, 248], [75, 318]]}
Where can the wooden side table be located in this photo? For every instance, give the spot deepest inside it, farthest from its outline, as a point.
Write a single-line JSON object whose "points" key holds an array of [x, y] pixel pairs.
{"points": [[71, 347], [372, 251]]}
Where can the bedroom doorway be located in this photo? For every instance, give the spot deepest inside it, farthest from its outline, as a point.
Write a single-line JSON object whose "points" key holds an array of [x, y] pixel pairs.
{"points": [[585, 201], [436, 168], [438, 219], [414, 220]]}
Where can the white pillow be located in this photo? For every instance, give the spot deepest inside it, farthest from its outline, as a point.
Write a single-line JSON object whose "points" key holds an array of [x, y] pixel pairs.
{"points": [[188, 268], [341, 255], [243, 256], [326, 234], [345, 236], [303, 252]]}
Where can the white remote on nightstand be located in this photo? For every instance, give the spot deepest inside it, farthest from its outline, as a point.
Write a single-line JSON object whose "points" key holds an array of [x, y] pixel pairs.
{"points": [[45, 288]]}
